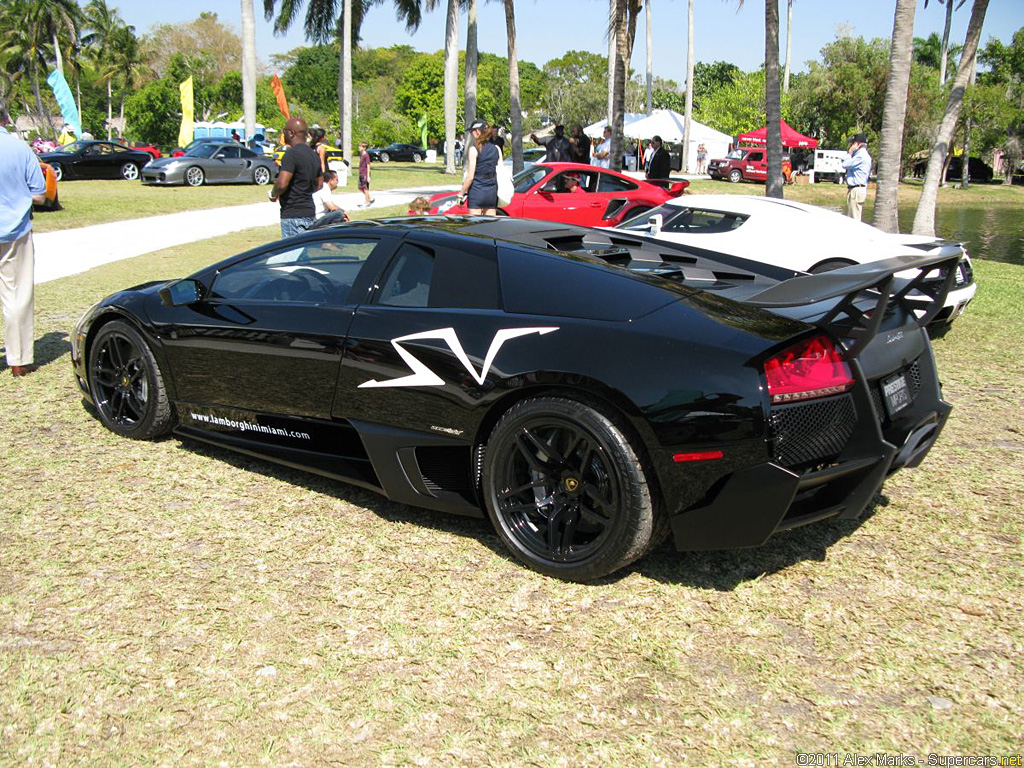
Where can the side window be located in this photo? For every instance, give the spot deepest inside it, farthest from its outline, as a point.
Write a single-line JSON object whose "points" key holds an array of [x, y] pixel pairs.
{"points": [[407, 282], [242, 152], [755, 157], [704, 222], [227, 152], [608, 183], [314, 273]]}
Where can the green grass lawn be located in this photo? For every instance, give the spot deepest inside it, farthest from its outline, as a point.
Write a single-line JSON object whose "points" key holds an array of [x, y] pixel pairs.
{"points": [[168, 602], [100, 201]]}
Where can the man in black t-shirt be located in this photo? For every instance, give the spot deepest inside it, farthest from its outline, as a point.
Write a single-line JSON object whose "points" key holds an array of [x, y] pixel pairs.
{"points": [[300, 176], [558, 148]]}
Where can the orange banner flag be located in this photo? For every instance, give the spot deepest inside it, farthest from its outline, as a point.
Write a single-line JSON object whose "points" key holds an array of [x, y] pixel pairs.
{"points": [[278, 87]]}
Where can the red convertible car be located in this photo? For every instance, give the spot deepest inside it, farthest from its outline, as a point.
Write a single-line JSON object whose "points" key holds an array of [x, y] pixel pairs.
{"points": [[574, 194]]}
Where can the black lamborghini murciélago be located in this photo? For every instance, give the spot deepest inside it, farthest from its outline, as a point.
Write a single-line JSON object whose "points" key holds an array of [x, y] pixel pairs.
{"points": [[591, 390]]}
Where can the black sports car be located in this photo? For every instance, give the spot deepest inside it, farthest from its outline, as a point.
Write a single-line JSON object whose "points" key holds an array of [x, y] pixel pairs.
{"points": [[96, 160], [592, 391], [397, 151]]}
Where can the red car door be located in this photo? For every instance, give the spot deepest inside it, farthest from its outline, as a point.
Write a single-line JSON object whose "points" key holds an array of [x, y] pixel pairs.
{"points": [[552, 200], [756, 167]]}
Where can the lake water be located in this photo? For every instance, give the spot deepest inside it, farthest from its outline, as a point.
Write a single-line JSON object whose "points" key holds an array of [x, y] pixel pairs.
{"points": [[989, 233]]}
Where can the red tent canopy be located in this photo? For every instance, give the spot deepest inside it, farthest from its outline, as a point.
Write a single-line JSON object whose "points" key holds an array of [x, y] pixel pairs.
{"points": [[790, 138]]}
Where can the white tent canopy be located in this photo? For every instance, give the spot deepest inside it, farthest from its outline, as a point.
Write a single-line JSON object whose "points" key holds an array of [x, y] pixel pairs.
{"points": [[668, 124], [596, 130]]}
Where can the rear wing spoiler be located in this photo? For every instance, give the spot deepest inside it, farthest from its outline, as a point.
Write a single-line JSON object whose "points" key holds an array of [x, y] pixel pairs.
{"points": [[875, 286], [674, 188]]}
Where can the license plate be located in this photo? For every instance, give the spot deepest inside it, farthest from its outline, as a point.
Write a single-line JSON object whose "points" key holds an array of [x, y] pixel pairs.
{"points": [[897, 394]]}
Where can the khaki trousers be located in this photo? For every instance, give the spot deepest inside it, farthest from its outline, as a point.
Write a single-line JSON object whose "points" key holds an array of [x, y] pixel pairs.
{"points": [[17, 294], [855, 197]]}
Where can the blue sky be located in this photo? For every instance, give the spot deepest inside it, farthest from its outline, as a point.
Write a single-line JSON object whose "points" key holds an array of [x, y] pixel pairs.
{"points": [[549, 28]]}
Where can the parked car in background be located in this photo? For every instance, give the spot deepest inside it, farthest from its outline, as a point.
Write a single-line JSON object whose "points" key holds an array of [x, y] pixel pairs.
{"points": [[151, 148], [591, 392], [227, 162], [397, 151], [51, 198], [333, 154], [96, 160], [980, 170], [530, 156], [606, 197], [797, 236], [179, 151], [746, 164]]}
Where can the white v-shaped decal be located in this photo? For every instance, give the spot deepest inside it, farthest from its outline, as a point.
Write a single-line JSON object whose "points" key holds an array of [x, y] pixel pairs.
{"points": [[422, 376]]}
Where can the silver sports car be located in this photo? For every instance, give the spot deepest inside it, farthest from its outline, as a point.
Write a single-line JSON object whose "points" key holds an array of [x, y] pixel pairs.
{"points": [[208, 163]]}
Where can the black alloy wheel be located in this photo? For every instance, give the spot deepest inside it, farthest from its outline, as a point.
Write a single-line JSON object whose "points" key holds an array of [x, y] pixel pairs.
{"points": [[565, 490], [126, 383]]}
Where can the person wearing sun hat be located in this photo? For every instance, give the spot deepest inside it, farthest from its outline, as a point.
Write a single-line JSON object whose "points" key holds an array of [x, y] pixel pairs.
{"points": [[858, 169], [480, 182]]}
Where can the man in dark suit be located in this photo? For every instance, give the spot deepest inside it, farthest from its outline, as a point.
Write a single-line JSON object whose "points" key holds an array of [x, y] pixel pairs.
{"points": [[660, 165]]}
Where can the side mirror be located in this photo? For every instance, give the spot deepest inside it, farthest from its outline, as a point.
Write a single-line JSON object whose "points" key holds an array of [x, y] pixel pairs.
{"points": [[220, 156], [655, 223], [181, 292]]}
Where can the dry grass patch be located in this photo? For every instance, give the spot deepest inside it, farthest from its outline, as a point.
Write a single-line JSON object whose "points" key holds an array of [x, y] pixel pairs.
{"points": [[172, 603]]}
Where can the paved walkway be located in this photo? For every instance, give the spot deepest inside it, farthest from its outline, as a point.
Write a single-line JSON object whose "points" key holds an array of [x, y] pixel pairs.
{"points": [[70, 251]]}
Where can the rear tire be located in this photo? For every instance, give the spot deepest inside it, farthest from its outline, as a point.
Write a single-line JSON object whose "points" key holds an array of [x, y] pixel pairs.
{"points": [[261, 175], [565, 490], [126, 383], [735, 175], [829, 264]]}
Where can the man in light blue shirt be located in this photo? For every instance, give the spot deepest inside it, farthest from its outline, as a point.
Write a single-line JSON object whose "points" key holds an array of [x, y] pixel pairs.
{"points": [[858, 169], [21, 184]]}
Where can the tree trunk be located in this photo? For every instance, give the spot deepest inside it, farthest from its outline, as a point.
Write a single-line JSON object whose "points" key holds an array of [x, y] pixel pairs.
{"points": [[516, 110], [41, 112], [890, 148], [789, 45], [965, 174], [650, 57], [688, 109], [472, 59], [924, 219], [945, 42], [346, 85], [56, 53], [248, 68], [451, 83], [110, 110], [619, 83], [613, 9], [773, 106]]}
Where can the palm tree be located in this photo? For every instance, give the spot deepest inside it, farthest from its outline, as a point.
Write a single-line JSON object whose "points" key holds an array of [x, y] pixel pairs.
{"points": [[248, 68], [650, 57], [25, 44], [688, 109], [324, 20], [53, 18], [621, 29], [472, 59], [924, 219], [516, 113], [789, 45], [127, 61], [890, 149], [451, 82], [773, 106], [945, 36], [102, 21]]}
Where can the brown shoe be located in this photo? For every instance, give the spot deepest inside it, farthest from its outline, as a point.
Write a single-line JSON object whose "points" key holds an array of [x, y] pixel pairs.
{"points": [[22, 370]]}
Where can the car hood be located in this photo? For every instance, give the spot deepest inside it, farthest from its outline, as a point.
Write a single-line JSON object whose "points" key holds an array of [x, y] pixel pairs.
{"points": [[163, 162]]}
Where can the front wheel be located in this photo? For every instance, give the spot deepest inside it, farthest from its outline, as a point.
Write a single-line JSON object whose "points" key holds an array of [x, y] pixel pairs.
{"points": [[129, 171], [416, 158], [261, 175], [194, 176], [126, 383], [735, 175], [566, 491], [385, 157]]}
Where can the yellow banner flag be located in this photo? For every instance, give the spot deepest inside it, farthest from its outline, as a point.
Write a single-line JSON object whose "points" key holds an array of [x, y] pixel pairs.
{"points": [[187, 113]]}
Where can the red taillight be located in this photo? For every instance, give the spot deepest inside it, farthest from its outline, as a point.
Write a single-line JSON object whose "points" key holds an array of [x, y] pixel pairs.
{"points": [[806, 370]]}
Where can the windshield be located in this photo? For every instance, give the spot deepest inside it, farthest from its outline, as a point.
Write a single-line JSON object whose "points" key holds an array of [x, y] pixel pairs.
{"points": [[640, 222], [527, 177], [71, 148], [202, 150], [736, 154]]}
